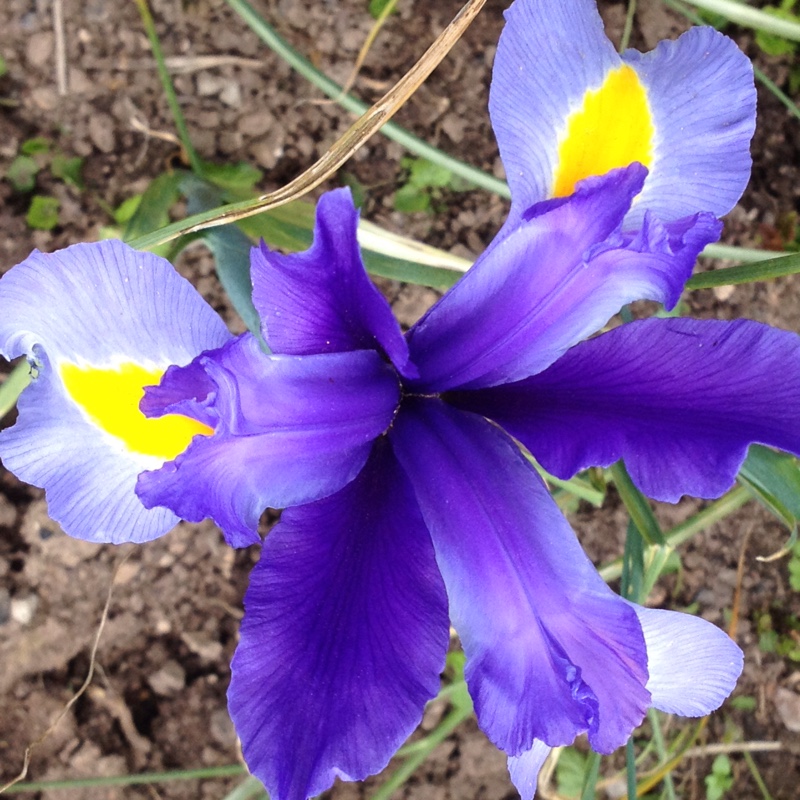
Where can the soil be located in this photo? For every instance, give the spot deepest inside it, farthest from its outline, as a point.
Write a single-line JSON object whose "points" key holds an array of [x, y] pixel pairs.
{"points": [[157, 701]]}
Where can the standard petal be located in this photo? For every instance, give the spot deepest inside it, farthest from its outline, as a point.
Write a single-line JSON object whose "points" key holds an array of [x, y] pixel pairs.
{"points": [[551, 651], [559, 277], [679, 648], [287, 430], [679, 399], [343, 638], [524, 769], [703, 101], [98, 322], [549, 54], [322, 300]]}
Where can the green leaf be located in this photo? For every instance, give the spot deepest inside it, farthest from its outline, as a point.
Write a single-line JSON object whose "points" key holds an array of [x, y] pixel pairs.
{"points": [[11, 388], [747, 273], [357, 189], [35, 146], [68, 169], [231, 249], [427, 174], [22, 173], [410, 198], [126, 209], [43, 213], [238, 177], [570, 771], [3, 67], [774, 479], [743, 703], [376, 7], [774, 45], [719, 780], [152, 212]]}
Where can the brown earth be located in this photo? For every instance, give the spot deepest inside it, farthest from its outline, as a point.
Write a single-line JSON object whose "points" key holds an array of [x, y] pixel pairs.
{"points": [[158, 698]]}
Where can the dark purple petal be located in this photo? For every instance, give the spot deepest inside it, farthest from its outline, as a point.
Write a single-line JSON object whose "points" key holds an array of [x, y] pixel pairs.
{"points": [[556, 279], [344, 636], [321, 300], [680, 400], [551, 650], [288, 430]]}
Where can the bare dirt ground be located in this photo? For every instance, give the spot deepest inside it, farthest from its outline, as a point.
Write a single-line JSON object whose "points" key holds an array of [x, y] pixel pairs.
{"points": [[158, 699]]}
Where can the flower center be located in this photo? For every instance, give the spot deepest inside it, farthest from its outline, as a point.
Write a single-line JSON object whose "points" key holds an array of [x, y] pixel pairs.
{"points": [[110, 398], [612, 128]]}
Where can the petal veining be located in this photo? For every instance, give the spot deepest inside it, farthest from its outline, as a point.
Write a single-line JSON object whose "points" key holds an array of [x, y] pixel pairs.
{"points": [[679, 399], [343, 638]]}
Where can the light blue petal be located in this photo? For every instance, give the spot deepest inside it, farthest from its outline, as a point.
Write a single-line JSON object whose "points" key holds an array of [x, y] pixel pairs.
{"points": [[524, 769], [693, 665], [703, 101], [93, 305], [549, 54]]}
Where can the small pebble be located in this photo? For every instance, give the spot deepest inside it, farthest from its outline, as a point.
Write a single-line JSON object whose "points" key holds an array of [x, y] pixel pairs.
{"points": [[787, 704], [23, 608], [169, 680]]}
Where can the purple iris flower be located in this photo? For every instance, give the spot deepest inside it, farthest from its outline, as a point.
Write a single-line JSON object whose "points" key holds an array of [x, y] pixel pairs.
{"points": [[408, 504], [409, 501]]}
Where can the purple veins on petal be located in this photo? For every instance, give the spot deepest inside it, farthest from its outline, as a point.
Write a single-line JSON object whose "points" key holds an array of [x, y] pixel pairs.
{"points": [[551, 282], [680, 400], [344, 636], [322, 300], [289, 430]]}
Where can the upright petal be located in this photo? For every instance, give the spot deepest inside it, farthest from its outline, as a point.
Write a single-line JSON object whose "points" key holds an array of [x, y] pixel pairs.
{"points": [[679, 399], [551, 651], [322, 300], [556, 279], [287, 430], [565, 106], [549, 55], [703, 102], [344, 636], [98, 322]]}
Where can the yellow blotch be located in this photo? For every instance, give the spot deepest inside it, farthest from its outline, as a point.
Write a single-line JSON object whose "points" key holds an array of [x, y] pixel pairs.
{"points": [[111, 399], [613, 128]]}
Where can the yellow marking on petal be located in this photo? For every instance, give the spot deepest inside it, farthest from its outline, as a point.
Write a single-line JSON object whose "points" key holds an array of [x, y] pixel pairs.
{"points": [[111, 398], [612, 128]]}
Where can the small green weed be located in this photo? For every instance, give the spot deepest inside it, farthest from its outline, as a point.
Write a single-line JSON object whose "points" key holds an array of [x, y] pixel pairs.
{"points": [[720, 779], [774, 45], [424, 185], [35, 156]]}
